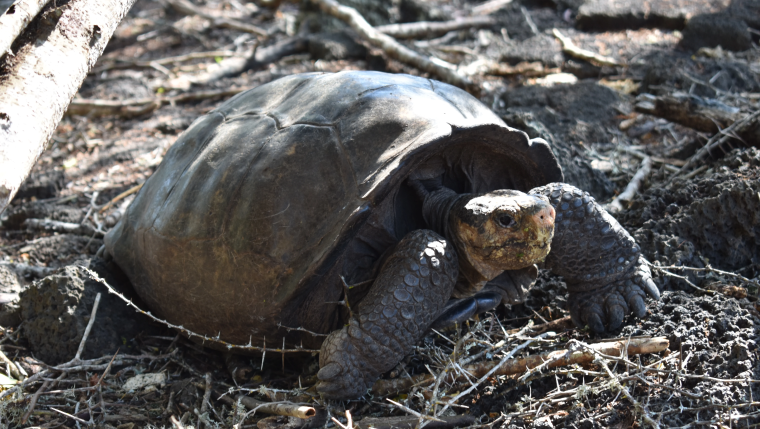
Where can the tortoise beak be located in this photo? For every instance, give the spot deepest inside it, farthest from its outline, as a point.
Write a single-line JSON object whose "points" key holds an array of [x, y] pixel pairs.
{"points": [[545, 217]]}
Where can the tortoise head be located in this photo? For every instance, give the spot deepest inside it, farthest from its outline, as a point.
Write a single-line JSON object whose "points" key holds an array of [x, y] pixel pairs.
{"points": [[501, 230]]}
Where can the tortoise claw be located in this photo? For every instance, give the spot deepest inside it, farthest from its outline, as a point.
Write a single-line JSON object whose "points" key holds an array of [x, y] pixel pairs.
{"points": [[639, 306], [595, 323], [459, 310], [615, 317], [617, 299]]}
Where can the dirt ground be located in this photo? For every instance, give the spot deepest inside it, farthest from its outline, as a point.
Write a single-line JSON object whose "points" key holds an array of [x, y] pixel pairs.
{"points": [[696, 216]]}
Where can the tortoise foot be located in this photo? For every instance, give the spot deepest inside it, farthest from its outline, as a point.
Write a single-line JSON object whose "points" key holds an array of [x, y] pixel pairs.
{"points": [[607, 306], [408, 294]]}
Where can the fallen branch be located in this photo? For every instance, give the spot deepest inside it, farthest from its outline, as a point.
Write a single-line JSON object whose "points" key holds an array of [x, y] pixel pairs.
{"points": [[444, 71], [518, 366], [187, 8], [15, 20], [45, 75], [632, 189], [571, 49], [424, 29], [701, 114]]}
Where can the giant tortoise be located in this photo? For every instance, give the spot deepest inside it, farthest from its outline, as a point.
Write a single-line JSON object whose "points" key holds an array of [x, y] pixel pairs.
{"points": [[402, 197]]}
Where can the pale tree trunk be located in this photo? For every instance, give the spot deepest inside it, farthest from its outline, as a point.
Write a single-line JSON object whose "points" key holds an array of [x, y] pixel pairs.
{"points": [[45, 75], [15, 20]]}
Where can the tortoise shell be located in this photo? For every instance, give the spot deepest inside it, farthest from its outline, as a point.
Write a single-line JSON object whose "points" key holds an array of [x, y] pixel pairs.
{"points": [[262, 204]]}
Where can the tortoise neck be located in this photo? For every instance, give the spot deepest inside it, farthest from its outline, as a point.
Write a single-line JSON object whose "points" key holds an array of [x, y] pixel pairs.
{"points": [[436, 207]]}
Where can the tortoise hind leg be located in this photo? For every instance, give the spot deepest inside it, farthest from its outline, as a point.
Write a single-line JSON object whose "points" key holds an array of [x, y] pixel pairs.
{"points": [[409, 293]]}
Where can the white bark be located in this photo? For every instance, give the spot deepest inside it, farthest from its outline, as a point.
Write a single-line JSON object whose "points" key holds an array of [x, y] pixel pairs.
{"points": [[15, 21], [45, 76]]}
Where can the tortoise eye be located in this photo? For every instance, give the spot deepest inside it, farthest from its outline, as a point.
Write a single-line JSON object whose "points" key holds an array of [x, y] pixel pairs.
{"points": [[505, 220]]}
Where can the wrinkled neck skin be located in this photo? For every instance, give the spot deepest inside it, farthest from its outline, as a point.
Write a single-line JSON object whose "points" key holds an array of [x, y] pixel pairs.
{"points": [[437, 206]]}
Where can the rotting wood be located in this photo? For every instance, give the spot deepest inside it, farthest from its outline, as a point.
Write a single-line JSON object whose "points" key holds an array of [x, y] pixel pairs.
{"points": [[46, 74], [187, 8], [18, 16], [519, 365], [701, 114], [442, 70], [571, 49], [414, 30]]}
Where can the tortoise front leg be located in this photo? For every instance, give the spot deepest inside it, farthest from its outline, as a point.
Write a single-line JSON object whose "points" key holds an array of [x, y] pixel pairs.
{"points": [[410, 291], [606, 275]]}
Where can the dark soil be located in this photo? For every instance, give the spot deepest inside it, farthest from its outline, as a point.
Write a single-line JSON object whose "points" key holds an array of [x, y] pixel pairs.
{"points": [[708, 221]]}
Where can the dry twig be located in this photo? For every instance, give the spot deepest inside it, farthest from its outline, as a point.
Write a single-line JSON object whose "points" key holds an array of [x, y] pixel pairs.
{"points": [[391, 47], [630, 191], [719, 139], [233, 66], [520, 365], [571, 49], [420, 29]]}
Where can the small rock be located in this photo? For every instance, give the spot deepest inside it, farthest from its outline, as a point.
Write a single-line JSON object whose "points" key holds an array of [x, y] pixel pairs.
{"points": [[56, 310]]}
